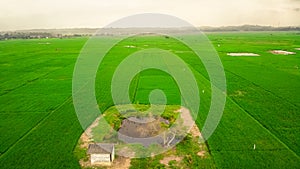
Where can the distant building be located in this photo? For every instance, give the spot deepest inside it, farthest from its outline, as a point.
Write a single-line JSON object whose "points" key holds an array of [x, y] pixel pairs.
{"points": [[101, 153]]}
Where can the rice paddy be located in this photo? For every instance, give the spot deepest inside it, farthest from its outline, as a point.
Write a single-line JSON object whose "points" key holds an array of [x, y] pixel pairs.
{"points": [[259, 127]]}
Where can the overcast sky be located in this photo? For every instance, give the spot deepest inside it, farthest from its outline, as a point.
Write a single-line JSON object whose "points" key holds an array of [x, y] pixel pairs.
{"points": [[30, 14]]}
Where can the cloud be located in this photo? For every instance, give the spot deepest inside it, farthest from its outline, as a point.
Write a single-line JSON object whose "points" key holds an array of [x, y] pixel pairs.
{"points": [[297, 9], [16, 14]]}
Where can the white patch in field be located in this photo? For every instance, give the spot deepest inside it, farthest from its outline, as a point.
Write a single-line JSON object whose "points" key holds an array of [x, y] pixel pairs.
{"points": [[297, 48], [219, 45], [130, 46], [203, 91], [242, 54], [282, 52], [44, 43], [254, 147]]}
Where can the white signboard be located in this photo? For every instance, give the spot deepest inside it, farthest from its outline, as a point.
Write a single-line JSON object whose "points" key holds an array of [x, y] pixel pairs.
{"points": [[100, 158]]}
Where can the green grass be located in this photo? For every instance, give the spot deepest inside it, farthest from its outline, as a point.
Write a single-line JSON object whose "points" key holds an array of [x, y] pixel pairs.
{"points": [[114, 117], [39, 127]]}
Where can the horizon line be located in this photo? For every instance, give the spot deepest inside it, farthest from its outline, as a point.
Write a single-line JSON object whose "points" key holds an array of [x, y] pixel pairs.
{"points": [[206, 26]]}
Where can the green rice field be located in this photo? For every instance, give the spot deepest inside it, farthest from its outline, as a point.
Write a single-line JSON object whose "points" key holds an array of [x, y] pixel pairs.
{"points": [[260, 126]]}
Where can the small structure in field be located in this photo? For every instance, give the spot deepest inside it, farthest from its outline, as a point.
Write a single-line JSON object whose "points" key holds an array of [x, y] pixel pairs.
{"points": [[101, 153]]}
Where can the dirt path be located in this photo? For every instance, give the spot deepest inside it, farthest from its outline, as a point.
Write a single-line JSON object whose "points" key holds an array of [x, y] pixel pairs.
{"points": [[189, 122], [186, 116], [121, 163], [88, 131]]}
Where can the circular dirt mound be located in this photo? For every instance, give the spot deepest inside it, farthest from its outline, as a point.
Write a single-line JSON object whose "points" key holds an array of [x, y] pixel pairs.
{"points": [[146, 128]]}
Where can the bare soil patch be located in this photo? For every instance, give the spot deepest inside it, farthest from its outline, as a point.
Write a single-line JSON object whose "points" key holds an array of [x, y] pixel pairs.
{"points": [[195, 132], [88, 131], [135, 129], [242, 54], [201, 153], [185, 114], [166, 160], [189, 122], [85, 140], [125, 151], [120, 163], [130, 46], [281, 52]]}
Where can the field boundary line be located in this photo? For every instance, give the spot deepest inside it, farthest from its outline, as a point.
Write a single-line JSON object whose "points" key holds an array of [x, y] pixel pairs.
{"points": [[259, 86], [268, 91], [246, 112], [30, 81], [137, 84], [264, 127], [195, 120], [136, 88], [34, 127], [24, 112], [261, 150]]}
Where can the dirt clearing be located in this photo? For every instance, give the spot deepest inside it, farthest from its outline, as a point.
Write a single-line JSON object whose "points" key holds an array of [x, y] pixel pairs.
{"points": [[281, 52], [242, 54]]}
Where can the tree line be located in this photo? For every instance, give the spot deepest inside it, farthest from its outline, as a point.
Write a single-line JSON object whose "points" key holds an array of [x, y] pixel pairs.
{"points": [[33, 35]]}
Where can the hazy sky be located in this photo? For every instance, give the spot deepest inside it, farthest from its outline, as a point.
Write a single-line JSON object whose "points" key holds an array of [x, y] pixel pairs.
{"points": [[29, 14]]}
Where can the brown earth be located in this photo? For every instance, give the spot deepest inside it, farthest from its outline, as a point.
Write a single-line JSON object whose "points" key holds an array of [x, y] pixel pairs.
{"points": [[166, 160], [282, 52]]}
